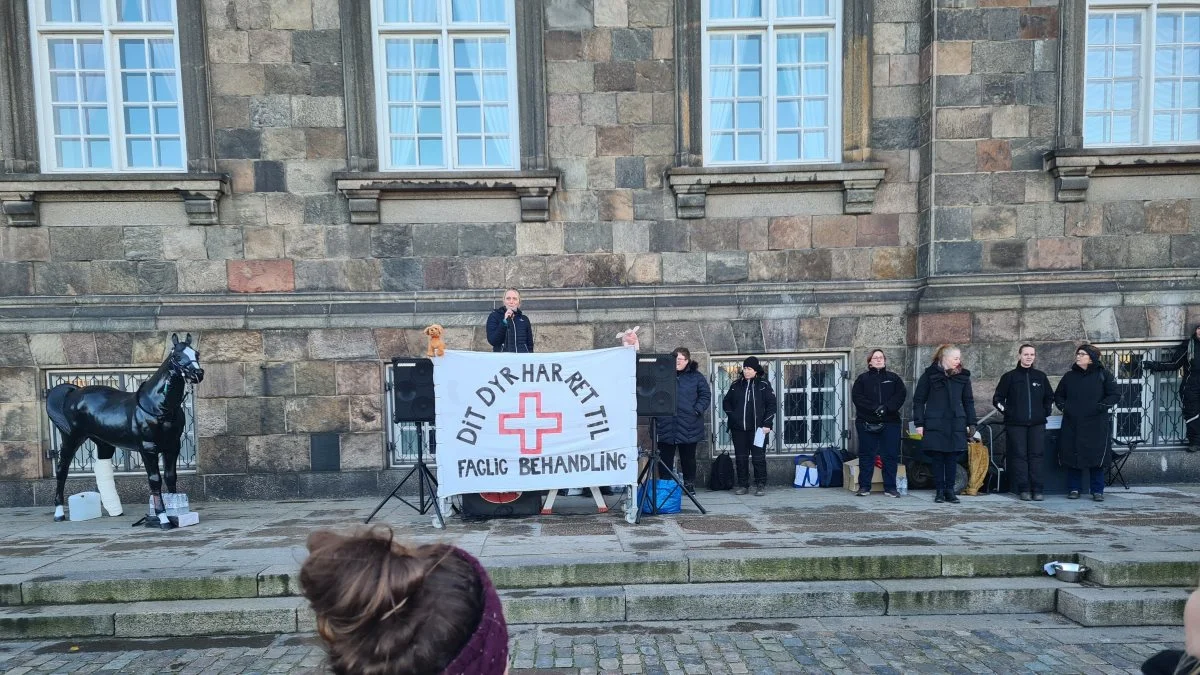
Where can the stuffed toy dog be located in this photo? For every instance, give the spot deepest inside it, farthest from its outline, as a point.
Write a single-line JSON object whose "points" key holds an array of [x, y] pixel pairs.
{"points": [[629, 338], [436, 346]]}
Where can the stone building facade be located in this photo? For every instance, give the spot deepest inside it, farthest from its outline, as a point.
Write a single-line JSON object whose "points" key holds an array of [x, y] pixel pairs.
{"points": [[960, 197]]}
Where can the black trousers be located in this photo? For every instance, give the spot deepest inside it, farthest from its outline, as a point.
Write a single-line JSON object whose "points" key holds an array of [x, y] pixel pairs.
{"points": [[1026, 448], [687, 459], [945, 470], [743, 451], [1189, 396]]}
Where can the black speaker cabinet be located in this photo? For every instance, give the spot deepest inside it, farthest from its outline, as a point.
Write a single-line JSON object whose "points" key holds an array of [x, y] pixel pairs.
{"points": [[656, 385], [501, 504], [412, 390]]}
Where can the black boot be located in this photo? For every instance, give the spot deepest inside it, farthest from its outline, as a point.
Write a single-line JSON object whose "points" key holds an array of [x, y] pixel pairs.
{"points": [[1194, 447], [939, 498], [952, 498]]}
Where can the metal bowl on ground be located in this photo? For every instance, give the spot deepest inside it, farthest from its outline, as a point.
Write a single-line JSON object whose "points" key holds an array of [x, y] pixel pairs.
{"points": [[1070, 572]]}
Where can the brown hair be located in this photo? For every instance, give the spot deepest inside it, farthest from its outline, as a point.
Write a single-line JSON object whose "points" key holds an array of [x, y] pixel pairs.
{"points": [[383, 607], [871, 355], [684, 351]]}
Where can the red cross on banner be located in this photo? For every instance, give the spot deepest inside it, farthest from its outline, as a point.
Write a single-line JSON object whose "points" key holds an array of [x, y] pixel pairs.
{"points": [[526, 421]]}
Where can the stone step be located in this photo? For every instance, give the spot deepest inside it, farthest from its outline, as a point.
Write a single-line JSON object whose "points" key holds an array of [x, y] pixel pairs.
{"points": [[1120, 568], [1093, 606]]}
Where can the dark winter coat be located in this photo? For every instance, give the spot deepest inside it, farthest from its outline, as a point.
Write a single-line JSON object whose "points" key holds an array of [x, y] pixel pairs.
{"points": [[692, 397], [749, 404], [875, 388], [509, 336], [1085, 397], [1025, 397], [1189, 348], [945, 406]]}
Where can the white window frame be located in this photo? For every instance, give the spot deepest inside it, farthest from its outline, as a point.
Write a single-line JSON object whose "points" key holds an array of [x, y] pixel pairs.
{"points": [[445, 32], [110, 31], [770, 26], [1148, 10], [1158, 399]]}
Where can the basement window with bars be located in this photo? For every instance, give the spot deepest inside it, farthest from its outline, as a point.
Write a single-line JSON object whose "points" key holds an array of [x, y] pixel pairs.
{"points": [[1149, 409], [811, 393], [123, 379], [404, 439]]}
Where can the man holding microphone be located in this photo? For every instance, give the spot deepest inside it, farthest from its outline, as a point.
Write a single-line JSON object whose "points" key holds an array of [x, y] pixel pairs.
{"points": [[508, 329]]}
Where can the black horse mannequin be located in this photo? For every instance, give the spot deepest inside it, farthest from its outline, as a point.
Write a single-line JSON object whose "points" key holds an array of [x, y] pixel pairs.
{"points": [[149, 421]]}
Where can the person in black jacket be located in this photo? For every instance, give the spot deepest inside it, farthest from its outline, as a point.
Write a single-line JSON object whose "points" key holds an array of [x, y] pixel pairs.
{"points": [[878, 395], [1186, 357], [1024, 396], [508, 329], [683, 430], [944, 413], [749, 405], [1086, 395]]}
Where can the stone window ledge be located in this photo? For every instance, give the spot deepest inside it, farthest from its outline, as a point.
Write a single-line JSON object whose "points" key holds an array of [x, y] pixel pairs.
{"points": [[364, 190], [20, 193], [1073, 169], [857, 182]]}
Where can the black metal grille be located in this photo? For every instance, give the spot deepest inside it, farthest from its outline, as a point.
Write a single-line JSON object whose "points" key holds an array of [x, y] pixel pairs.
{"points": [[125, 379], [811, 394], [1149, 408]]}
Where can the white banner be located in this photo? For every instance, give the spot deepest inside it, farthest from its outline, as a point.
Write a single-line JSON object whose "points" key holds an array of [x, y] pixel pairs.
{"points": [[516, 422]]}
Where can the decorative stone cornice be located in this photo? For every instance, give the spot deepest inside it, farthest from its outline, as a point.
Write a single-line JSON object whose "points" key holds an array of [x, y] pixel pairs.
{"points": [[364, 190], [1073, 169], [856, 181], [20, 193]]}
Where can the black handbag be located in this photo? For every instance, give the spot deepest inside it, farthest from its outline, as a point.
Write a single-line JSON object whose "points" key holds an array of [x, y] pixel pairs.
{"points": [[873, 427]]}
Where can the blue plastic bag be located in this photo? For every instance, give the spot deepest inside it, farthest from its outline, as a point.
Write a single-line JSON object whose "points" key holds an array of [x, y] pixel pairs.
{"points": [[668, 496]]}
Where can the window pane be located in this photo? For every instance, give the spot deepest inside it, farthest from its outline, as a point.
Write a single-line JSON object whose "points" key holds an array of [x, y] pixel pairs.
{"points": [[721, 51], [720, 9], [1166, 61], [399, 53], [140, 152], [70, 154], [1164, 126], [170, 152], [395, 11], [722, 83], [66, 121], [464, 10], [1122, 128], [749, 9], [1190, 97], [466, 87], [133, 54], [722, 116], [815, 80], [788, 82], [749, 82], [160, 10], [1129, 29], [129, 10], [787, 8], [97, 120], [162, 54], [1167, 27], [59, 10], [426, 53], [62, 54], [430, 151], [99, 154], [429, 120], [164, 87], [816, 112], [492, 10], [135, 87], [63, 88], [496, 151], [402, 120], [1125, 63], [722, 147], [1096, 96], [137, 120], [749, 49], [749, 147], [1095, 129], [1099, 30], [816, 48], [470, 151], [1098, 63], [495, 87], [468, 120], [428, 88], [787, 48], [400, 88], [1166, 94], [787, 114], [91, 54], [788, 146], [495, 119], [816, 7], [404, 152], [1124, 95], [495, 54], [749, 115], [1189, 127], [1191, 61], [166, 120], [814, 145], [94, 88], [424, 11], [466, 54]]}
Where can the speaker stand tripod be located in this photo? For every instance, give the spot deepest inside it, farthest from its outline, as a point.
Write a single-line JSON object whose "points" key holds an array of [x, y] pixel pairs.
{"points": [[649, 478], [426, 485]]}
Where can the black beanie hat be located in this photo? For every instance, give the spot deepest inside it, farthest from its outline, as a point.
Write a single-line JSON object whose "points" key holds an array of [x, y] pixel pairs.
{"points": [[752, 362], [1092, 352]]}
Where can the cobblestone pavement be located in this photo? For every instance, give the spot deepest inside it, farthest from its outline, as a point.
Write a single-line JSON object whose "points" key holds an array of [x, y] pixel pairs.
{"points": [[1027, 644]]}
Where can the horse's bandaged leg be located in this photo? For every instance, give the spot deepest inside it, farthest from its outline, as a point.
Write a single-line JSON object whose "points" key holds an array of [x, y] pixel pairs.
{"points": [[106, 485]]}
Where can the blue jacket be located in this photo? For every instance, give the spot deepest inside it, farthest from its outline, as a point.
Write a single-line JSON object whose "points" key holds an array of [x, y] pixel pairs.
{"points": [[692, 397], [509, 336]]}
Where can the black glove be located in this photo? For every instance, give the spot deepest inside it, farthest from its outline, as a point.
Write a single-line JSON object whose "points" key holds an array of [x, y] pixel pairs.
{"points": [[1146, 364], [880, 411]]}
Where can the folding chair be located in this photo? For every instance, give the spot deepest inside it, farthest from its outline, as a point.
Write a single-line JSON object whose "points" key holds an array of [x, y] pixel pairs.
{"points": [[1116, 462]]}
